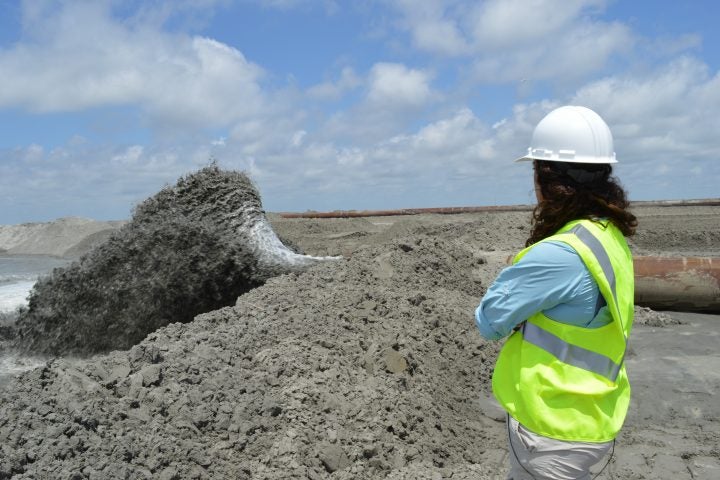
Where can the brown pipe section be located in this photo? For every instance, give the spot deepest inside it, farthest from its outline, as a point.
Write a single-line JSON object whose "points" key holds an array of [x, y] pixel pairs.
{"points": [[490, 208], [688, 284], [407, 211]]}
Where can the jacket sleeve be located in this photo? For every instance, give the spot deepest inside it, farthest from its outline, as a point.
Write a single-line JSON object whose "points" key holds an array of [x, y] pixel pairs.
{"points": [[551, 273]]}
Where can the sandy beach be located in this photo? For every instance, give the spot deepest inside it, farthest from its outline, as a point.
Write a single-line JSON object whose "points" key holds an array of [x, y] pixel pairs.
{"points": [[366, 367]]}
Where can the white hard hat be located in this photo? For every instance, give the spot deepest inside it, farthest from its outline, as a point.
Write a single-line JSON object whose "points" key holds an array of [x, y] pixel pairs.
{"points": [[571, 134]]}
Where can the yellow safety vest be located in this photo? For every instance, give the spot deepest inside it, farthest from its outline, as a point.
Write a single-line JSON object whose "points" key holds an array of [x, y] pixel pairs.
{"points": [[569, 382]]}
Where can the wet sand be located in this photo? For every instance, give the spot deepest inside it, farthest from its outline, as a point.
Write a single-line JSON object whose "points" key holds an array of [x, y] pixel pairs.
{"points": [[673, 426], [369, 367]]}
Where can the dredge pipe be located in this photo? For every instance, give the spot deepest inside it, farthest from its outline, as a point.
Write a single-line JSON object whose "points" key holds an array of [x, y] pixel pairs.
{"points": [[488, 208], [407, 211], [687, 284]]}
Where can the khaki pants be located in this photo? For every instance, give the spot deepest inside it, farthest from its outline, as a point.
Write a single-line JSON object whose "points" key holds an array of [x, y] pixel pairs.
{"points": [[534, 457]]}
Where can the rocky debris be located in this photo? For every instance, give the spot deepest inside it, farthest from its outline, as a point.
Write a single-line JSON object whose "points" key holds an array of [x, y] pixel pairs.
{"points": [[394, 362], [651, 318], [333, 457]]}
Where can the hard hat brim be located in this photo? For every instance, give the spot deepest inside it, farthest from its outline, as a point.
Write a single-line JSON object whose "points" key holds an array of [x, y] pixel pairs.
{"points": [[528, 158]]}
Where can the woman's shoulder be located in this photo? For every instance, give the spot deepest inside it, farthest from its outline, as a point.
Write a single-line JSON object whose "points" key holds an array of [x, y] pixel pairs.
{"points": [[553, 252]]}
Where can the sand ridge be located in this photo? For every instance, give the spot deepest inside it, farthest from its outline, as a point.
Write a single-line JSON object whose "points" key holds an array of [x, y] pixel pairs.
{"points": [[65, 237]]}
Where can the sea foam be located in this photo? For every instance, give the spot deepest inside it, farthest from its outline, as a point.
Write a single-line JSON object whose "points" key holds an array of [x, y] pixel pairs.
{"points": [[13, 295]]}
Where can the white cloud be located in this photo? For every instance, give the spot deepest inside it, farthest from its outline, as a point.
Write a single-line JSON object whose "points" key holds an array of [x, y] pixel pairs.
{"points": [[439, 36], [84, 180], [130, 157], [80, 57], [514, 40], [396, 84], [562, 59], [515, 23], [348, 81], [434, 26], [443, 136], [34, 153], [215, 85], [266, 135], [669, 112], [394, 96], [436, 154], [297, 138], [351, 157]]}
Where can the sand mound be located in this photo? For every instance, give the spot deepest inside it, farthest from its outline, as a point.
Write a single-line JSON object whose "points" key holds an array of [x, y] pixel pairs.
{"points": [[364, 367], [64, 237], [678, 231]]}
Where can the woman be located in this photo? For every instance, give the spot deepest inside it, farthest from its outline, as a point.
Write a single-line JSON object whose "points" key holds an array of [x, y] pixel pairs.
{"points": [[567, 304]]}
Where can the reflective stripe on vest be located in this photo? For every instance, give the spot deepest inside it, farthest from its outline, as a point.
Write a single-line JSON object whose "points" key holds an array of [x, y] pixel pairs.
{"points": [[567, 352], [599, 251]]}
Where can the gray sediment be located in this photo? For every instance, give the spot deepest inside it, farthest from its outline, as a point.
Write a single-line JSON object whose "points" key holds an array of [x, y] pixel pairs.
{"points": [[192, 248]]}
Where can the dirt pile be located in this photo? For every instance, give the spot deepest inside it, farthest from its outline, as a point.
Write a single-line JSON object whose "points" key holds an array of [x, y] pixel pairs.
{"points": [[651, 318], [362, 367], [677, 231]]}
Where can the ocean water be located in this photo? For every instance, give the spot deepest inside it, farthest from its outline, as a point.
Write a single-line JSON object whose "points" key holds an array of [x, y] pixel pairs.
{"points": [[18, 274]]}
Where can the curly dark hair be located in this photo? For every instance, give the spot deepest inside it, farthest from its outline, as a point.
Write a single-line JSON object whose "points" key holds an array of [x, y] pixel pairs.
{"points": [[573, 191]]}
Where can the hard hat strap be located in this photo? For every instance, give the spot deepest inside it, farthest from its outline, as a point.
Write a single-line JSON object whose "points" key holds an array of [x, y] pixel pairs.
{"points": [[580, 175]]}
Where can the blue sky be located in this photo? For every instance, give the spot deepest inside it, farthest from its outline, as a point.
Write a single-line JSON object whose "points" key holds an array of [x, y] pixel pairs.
{"points": [[332, 104]]}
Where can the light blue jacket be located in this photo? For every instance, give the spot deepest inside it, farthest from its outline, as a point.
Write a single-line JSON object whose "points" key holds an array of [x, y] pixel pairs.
{"points": [[550, 278]]}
